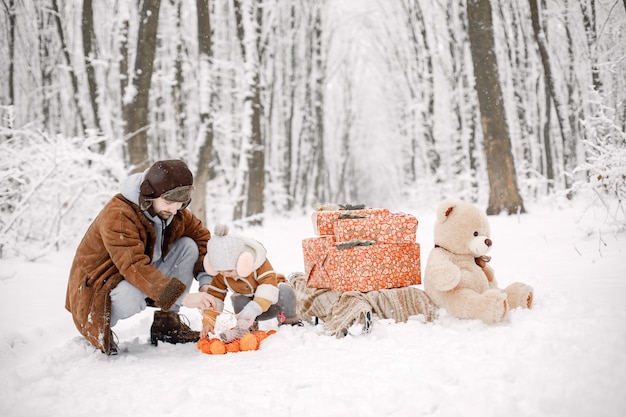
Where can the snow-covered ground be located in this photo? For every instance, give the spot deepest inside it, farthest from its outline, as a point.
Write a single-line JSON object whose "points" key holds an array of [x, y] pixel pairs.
{"points": [[564, 357]]}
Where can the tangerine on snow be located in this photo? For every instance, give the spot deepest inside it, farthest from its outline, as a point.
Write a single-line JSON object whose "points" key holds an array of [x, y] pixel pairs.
{"points": [[260, 335], [217, 347], [203, 345], [248, 342], [233, 346]]}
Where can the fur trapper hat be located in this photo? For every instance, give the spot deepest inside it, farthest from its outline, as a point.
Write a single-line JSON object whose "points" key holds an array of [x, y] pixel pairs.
{"points": [[170, 179]]}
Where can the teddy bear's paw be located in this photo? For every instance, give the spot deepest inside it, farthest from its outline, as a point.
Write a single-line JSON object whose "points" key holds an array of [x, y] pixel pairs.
{"points": [[495, 306], [519, 295]]}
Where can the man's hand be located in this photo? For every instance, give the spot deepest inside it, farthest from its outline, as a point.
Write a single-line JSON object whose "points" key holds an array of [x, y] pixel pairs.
{"points": [[201, 300]]}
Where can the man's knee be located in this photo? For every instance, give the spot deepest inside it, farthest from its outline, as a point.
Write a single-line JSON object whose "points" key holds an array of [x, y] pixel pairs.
{"points": [[187, 247], [126, 300]]}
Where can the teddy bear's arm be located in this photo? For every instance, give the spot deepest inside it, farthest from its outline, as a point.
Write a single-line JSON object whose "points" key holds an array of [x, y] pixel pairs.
{"points": [[441, 273], [487, 270]]}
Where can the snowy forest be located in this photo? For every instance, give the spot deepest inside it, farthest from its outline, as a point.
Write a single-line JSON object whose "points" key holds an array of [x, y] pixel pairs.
{"points": [[278, 106]]}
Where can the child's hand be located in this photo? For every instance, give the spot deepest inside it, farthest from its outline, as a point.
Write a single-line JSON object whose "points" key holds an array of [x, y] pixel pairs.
{"points": [[233, 334], [206, 330], [245, 319]]}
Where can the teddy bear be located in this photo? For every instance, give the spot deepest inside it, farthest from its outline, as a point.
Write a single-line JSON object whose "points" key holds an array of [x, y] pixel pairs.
{"points": [[457, 277]]}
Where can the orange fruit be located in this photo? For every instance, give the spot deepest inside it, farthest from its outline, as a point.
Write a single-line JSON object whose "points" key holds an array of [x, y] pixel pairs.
{"points": [[217, 347], [233, 346], [203, 345], [248, 342], [260, 335]]}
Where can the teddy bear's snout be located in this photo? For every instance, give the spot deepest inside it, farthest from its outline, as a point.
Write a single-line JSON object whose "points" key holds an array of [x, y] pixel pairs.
{"points": [[479, 245]]}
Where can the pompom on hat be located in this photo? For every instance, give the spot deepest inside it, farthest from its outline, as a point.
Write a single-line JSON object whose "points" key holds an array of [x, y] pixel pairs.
{"points": [[170, 179], [227, 252]]}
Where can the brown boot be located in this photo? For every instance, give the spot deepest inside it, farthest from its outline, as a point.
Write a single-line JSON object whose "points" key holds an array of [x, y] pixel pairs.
{"points": [[167, 327]]}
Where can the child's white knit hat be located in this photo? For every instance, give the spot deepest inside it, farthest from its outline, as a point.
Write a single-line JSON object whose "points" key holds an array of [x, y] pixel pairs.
{"points": [[223, 249]]}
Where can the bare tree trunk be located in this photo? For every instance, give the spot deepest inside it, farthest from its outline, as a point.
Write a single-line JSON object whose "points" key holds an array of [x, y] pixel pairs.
{"points": [[68, 60], [43, 22], [588, 9], [248, 31], [136, 113], [574, 111], [425, 94], [521, 79], [503, 192], [547, 143], [123, 59], [256, 165], [540, 38], [343, 192], [290, 67], [465, 163], [306, 165], [11, 13], [89, 55], [180, 113], [322, 183], [205, 47]]}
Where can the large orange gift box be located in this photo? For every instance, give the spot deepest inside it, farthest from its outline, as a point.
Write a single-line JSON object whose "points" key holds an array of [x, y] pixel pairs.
{"points": [[360, 268]]}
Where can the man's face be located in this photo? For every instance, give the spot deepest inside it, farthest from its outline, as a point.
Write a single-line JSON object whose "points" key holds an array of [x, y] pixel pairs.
{"points": [[164, 208]]}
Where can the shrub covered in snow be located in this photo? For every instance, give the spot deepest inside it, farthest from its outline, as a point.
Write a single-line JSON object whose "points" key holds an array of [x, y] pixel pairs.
{"points": [[49, 189]]}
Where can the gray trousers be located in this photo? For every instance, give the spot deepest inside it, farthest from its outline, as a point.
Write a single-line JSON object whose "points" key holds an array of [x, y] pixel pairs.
{"points": [[285, 305], [127, 300]]}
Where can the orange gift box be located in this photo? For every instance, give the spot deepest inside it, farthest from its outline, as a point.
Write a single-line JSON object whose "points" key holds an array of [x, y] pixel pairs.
{"points": [[360, 268], [392, 228], [324, 221]]}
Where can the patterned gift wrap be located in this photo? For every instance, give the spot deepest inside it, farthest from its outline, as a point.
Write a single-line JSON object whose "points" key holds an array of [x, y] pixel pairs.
{"points": [[392, 228], [360, 268], [324, 221]]}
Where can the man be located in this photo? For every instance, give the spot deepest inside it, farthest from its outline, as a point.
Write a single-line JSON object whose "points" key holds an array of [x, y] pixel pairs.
{"points": [[143, 248]]}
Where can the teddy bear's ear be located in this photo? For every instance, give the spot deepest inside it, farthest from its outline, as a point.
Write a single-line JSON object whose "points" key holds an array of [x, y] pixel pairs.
{"points": [[445, 209]]}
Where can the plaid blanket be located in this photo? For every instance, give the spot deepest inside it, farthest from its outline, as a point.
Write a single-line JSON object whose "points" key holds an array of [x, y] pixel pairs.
{"points": [[341, 309]]}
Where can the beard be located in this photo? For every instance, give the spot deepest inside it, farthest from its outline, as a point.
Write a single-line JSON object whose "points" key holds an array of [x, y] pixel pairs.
{"points": [[165, 214]]}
